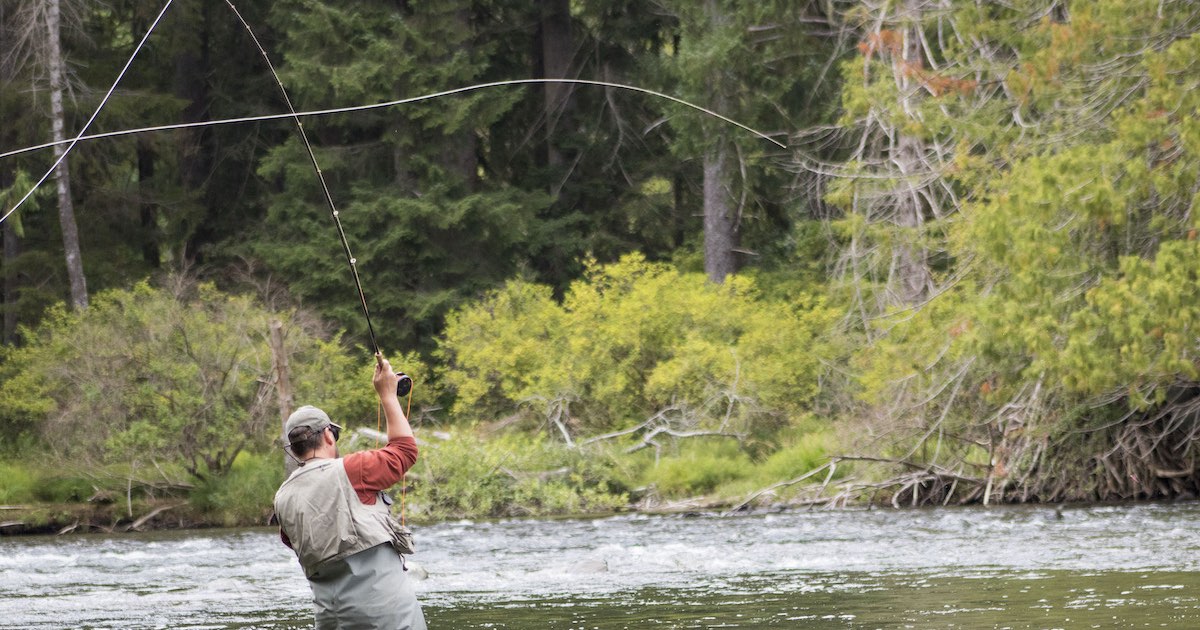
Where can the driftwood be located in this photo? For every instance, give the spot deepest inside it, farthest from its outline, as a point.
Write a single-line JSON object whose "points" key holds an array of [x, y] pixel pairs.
{"points": [[363, 434], [542, 476], [656, 425], [137, 525], [831, 467]]}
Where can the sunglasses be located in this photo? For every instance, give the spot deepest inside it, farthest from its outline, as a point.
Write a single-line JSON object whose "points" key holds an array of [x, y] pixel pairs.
{"points": [[337, 431]]}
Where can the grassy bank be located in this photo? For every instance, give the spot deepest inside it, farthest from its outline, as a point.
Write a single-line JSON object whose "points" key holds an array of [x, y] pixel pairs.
{"points": [[469, 474]]}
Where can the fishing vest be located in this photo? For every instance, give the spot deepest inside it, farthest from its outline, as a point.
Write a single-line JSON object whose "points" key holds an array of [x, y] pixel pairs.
{"points": [[323, 518]]}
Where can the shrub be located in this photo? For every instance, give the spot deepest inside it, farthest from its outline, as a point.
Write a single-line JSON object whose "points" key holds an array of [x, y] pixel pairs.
{"points": [[630, 340], [510, 475], [244, 495], [17, 483], [181, 374], [698, 468]]}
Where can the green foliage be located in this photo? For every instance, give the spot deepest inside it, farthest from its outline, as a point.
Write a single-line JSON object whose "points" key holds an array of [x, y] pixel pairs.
{"points": [[150, 375], [245, 493], [18, 483], [1068, 308], [698, 469], [811, 450], [632, 339], [426, 230], [510, 475]]}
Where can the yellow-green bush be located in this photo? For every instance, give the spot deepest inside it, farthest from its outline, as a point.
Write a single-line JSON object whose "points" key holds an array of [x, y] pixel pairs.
{"points": [[633, 338]]}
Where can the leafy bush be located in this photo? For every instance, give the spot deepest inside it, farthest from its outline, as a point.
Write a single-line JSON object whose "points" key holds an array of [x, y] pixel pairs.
{"points": [[510, 475], [243, 495], [810, 451], [631, 339], [699, 468], [182, 375]]}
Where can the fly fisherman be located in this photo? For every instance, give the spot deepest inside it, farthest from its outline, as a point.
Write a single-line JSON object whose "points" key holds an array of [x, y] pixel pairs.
{"points": [[333, 513]]}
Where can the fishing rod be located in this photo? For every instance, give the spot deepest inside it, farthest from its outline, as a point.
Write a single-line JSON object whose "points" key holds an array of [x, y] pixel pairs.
{"points": [[404, 386]]}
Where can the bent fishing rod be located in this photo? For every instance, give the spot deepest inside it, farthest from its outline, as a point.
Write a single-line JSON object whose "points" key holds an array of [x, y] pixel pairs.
{"points": [[404, 385]]}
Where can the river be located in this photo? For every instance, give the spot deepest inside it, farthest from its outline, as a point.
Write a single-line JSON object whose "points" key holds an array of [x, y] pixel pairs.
{"points": [[1135, 566]]}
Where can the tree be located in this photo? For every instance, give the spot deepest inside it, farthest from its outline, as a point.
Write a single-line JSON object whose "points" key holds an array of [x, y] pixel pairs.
{"points": [[56, 66], [1028, 374], [426, 231], [37, 27], [756, 63]]}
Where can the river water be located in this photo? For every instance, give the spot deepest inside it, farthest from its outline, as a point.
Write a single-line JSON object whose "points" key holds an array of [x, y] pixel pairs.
{"points": [[1132, 566]]}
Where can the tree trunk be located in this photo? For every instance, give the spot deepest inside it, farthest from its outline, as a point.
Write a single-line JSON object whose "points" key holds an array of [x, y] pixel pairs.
{"points": [[12, 247], [556, 53], [190, 83], [62, 175], [720, 220], [461, 155], [911, 280], [720, 216], [151, 252], [283, 390]]}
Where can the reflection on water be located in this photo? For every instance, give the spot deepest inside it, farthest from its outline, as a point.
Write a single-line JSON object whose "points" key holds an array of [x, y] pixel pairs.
{"points": [[1097, 567]]}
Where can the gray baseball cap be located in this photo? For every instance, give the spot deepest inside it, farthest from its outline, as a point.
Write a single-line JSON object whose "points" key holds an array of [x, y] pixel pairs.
{"points": [[309, 417]]}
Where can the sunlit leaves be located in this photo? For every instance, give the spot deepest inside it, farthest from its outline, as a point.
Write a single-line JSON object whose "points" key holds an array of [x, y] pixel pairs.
{"points": [[631, 339]]}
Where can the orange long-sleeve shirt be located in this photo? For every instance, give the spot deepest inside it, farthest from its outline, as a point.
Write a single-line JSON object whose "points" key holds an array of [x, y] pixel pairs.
{"points": [[380, 469]]}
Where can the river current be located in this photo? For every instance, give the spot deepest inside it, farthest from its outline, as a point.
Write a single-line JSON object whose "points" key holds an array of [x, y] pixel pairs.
{"points": [[1134, 566]]}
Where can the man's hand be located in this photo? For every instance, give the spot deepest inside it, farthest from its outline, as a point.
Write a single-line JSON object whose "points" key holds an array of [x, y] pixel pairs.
{"points": [[385, 378]]}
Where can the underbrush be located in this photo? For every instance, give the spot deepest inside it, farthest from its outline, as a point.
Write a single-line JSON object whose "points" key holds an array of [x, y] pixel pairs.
{"points": [[245, 494], [724, 472], [33, 479], [471, 475], [519, 474], [510, 475]]}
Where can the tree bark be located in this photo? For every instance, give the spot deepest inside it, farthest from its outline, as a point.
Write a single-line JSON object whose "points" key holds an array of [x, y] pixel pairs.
{"points": [[721, 229], [151, 252], [720, 220], [283, 389], [556, 53], [190, 83], [62, 175], [12, 248], [911, 280]]}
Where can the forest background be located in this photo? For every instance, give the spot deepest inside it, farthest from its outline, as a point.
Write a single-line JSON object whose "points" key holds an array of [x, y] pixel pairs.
{"points": [[971, 276]]}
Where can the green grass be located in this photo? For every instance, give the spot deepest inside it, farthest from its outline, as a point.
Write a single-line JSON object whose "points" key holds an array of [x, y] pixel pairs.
{"points": [[243, 496], [17, 483]]}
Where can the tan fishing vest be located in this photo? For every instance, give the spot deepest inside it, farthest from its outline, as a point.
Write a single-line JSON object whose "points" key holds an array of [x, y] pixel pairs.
{"points": [[323, 518]]}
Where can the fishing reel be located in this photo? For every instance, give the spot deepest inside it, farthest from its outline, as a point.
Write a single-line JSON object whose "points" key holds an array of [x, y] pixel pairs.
{"points": [[404, 385]]}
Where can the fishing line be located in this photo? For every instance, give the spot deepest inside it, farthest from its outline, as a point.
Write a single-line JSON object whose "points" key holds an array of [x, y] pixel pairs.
{"points": [[104, 101], [403, 101]]}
